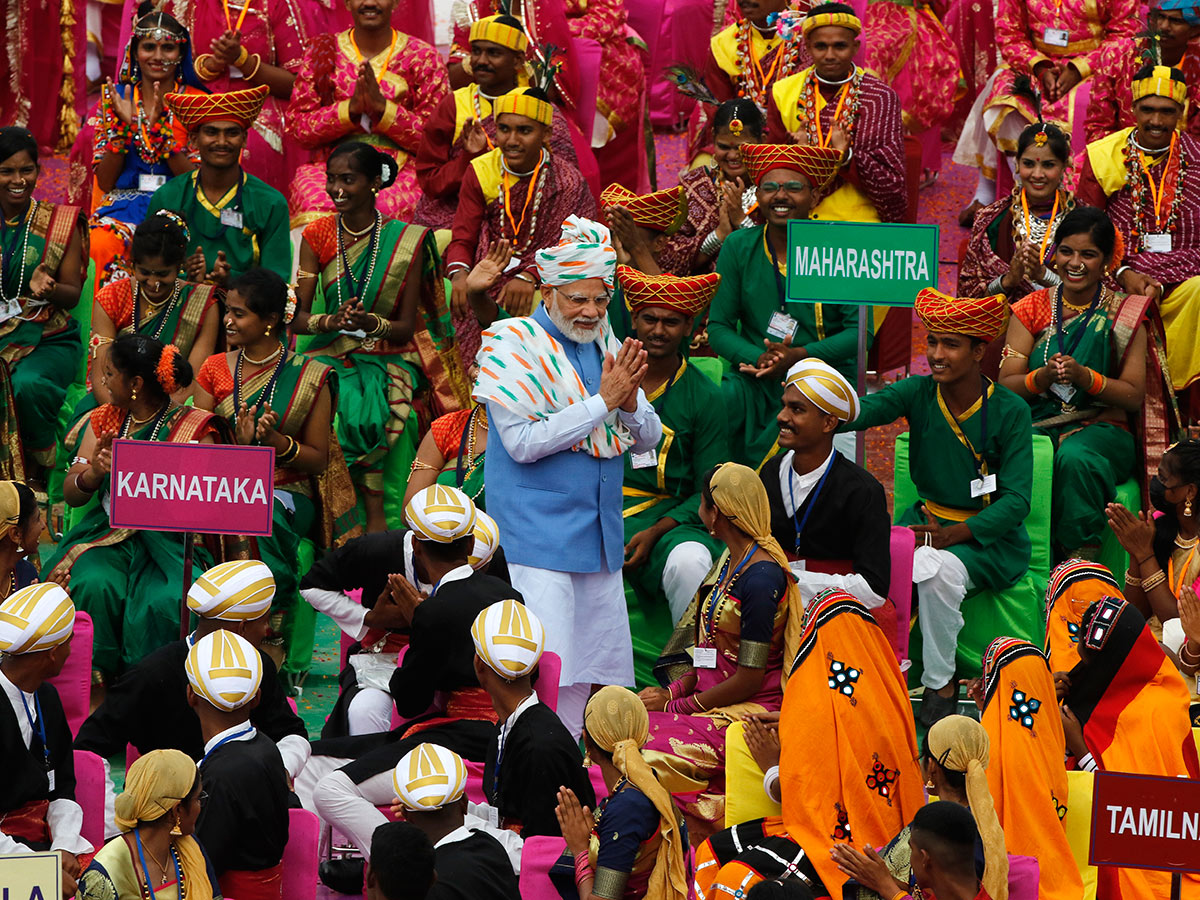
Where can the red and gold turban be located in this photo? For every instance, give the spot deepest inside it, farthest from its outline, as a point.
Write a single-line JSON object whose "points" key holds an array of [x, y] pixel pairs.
{"points": [[243, 107], [663, 211], [817, 164], [690, 295], [978, 317], [520, 102]]}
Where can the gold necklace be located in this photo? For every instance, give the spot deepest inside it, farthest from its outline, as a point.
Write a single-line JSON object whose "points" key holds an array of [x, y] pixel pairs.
{"points": [[266, 359], [162, 867], [1186, 543], [137, 421], [353, 233]]}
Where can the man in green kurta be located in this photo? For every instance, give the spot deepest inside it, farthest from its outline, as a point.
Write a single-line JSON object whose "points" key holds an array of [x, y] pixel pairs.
{"points": [[751, 323], [971, 459], [237, 221], [667, 550]]}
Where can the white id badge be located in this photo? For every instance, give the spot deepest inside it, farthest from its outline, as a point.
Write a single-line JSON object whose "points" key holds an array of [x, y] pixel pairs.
{"points": [[50, 778], [150, 183], [705, 657], [647, 460], [1159, 242], [1056, 37], [493, 817], [984, 485], [781, 326], [1063, 392], [231, 217]]}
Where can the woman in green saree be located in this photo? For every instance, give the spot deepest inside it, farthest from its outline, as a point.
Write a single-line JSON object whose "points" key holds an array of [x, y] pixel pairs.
{"points": [[129, 581], [42, 270], [386, 329], [1088, 360], [284, 400]]}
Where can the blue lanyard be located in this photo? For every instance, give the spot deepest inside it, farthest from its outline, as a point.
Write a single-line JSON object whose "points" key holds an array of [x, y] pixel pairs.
{"points": [[137, 837], [39, 729], [226, 740], [718, 593], [812, 500]]}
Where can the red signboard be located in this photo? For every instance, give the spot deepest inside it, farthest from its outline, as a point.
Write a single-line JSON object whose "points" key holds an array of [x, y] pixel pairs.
{"points": [[1146, 822], [208, 488]]}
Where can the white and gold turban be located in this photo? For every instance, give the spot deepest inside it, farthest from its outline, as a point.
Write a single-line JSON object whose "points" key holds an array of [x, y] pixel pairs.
{"points": [[487, 540], [441, 514], [509, 638], [36, 618], [235, 591], [429, 777], [584, 250], [824, 387], [224, 669]]}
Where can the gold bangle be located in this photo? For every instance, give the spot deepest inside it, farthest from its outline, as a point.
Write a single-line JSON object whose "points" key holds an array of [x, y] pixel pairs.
{"points": [[1131, 579], [242, 57], [202, 69], [1150, 582], [246, 76], [421, 464]]}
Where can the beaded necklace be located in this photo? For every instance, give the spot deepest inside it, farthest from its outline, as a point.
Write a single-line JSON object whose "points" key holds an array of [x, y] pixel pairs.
{"points": [[268, 393], [845, 113], [25, 225], [158, 419], [163, 315], [148, 892], [356, 287], [1085, 313], [753, 82], [1166, 193], [719, 599], [475, 95], [1033, 227], [153, 141], [533, 200], [472, 460]]}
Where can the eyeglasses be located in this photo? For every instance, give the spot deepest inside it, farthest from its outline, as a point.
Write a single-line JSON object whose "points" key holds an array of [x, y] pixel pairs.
{"points": [[202, 797], [792, 187], [601, 300]]}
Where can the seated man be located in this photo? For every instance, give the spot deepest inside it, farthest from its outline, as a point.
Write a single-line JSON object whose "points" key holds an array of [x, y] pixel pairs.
{"points": [[531, 754], [970, 456], [236, 221], [751, 323], [943, 842], [404, 863], [37, 793], [243, 824], [826, 512], [147, 706], [637, 223], [1120, 175], [462, 126]]}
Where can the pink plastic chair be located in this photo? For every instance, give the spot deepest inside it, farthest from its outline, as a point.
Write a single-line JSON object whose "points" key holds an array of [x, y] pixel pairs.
{"points": [[903, 544], [89, 794], [537, 857], [131, 755], [74, 682], [546, 683], [300, 855]]}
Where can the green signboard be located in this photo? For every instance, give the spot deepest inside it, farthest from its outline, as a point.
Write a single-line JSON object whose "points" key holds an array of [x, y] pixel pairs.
{"points": [[860, 262]]}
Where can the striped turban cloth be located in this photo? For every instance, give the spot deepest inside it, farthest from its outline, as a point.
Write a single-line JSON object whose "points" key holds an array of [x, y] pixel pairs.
{"points": [[36, 618], [429, 777], [824, 387], [237, 591], [584, 250], [441, 514], [225, 669], [487, 539], [509, 638]]}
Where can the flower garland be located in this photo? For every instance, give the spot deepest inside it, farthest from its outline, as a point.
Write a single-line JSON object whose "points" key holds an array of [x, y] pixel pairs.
{"points": [[845, 114], [753, 82], [154, 142], [1168, 192]]}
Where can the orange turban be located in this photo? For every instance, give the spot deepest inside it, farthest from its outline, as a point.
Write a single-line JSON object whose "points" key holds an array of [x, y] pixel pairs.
{"points": [[690, 295], [243, 107], [663, 211], [983, 317]]}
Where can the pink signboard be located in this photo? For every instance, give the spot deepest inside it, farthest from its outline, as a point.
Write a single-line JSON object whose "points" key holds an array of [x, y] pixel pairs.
{"points": [[208, 488]]}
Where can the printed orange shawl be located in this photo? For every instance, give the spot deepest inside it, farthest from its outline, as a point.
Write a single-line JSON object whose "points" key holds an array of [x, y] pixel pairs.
{"points": [[1074, 586]]}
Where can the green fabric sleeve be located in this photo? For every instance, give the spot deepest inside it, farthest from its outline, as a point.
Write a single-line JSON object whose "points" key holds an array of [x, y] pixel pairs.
{"points": [[725, 312], [885, 406], [711, 449], [275, 243], [1014, 478]]}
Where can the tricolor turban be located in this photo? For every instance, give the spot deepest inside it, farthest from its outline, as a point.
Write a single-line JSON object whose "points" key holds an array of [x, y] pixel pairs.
{"points": [[489, 28], [817, 164], [817, 19], [36, 618], [527, 102], [663, 211], [429, 777], [979, 317], [487, 539], [243, 107], [584, 250], [237, 591], [1163, 81], [224, 669], [441, 514], [824, 387], [689, 295], [509, 638]]}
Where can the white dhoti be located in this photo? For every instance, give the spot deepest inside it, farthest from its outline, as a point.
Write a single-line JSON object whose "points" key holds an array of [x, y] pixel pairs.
{"points": [[942, 584], [684, 571]]}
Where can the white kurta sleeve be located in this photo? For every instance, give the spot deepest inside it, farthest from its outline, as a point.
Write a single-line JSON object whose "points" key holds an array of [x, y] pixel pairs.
{"points": [[350, 616], [528, 440], [643, 423], [65, 819], [295, 751]]}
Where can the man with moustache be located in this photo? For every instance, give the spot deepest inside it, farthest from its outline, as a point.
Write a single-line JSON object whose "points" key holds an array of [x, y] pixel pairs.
{"points": [[565, 404]]}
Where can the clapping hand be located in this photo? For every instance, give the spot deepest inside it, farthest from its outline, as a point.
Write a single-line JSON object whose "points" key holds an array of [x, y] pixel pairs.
{"points": [[101, 465], [574, 820], [762, 740], [774, 360], [226, 49], [1135, 533], [265, 426], [474, 138], [121, 106], [621, 376], [393, 610], [517, 296]]}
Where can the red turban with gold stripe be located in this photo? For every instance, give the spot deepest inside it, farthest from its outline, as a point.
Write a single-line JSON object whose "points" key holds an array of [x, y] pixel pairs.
{"points": [[663, 211], [978, 317], [243, 107], [817, 164], [690, 295]]}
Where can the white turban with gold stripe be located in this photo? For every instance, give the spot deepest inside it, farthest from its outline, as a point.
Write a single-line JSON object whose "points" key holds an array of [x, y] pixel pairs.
{"points": [[824, 387], [36, 618], [440, 513], [509, 638], [487, 539], [235, 591], [429, 777], [225, 669]]}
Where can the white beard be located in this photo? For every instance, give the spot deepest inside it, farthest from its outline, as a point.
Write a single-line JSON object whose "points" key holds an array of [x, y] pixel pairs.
{"points": [[569, 330]]}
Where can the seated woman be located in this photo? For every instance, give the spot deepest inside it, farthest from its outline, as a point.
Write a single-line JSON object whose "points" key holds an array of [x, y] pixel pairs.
{"points": [[268, 395], [386, 330], [1074, 586], [44, 263], [1082, 356], [735, 628], [370, 82], [452, 452], [129, 581], [21, 527], [155, 854], [637, 845], [137, 144]]}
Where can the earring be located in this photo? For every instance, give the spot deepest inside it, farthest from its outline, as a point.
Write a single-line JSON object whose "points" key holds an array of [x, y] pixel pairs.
{"points": [[587, 761], [133, 396], [929, 786], [268, 331], [176, 831], [1187, 507]]}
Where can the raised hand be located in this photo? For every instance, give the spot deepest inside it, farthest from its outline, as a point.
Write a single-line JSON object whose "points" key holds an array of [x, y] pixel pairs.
{"points": [[266, 424], [621, 376], [247, 424], [475, 139], [517, 296], [1134, 532], [195, 265], [101, 465], [574, 820], [226, 49], [220, 269], [122, 106]]}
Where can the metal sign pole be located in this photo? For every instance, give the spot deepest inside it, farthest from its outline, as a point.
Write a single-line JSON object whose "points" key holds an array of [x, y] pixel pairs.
{"points": [[189, 544], [860, 436]]}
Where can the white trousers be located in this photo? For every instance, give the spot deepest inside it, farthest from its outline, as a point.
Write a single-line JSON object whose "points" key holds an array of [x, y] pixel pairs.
{"points": [[572, 701], [941, 595], [342, 804], [370, 712], [683, 573]]}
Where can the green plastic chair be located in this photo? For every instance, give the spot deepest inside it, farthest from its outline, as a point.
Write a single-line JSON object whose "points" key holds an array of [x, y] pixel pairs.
{"points": [[1112, 554], [712, 366], [1013, 612]]}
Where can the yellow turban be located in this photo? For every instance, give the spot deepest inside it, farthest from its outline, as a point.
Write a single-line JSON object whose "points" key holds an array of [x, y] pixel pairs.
{"points": [[10, 506], [489, 29], [429, 777], [824, 387], [1163, 81], [36, 618], [441, 514], [509, 638], [233, 592], [154, 785], [487, 540], [817, 19], [523, 101], [224, 669]]}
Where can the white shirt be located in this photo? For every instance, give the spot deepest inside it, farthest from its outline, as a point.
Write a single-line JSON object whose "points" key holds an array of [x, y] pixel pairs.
{"points": [[243, 731], [509, 839], [796, 488], [528, 441]]}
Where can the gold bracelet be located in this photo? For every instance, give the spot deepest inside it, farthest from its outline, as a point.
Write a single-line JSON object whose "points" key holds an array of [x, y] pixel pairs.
{"points": [[382, 329], [1009, 353], [1131, 579], [246, 76], [300, 273], [1185, 649], [1150, 582], [202, 69], [242, 57], [420, 464]]}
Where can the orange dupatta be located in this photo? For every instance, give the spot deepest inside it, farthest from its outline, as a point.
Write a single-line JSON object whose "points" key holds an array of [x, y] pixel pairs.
{"points": [[1074, 586], [1027, 778], [849, 768]]}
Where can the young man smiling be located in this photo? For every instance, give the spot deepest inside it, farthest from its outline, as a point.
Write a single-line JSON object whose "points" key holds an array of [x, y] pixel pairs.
{"points": [[971, 459], [236, 221]]}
